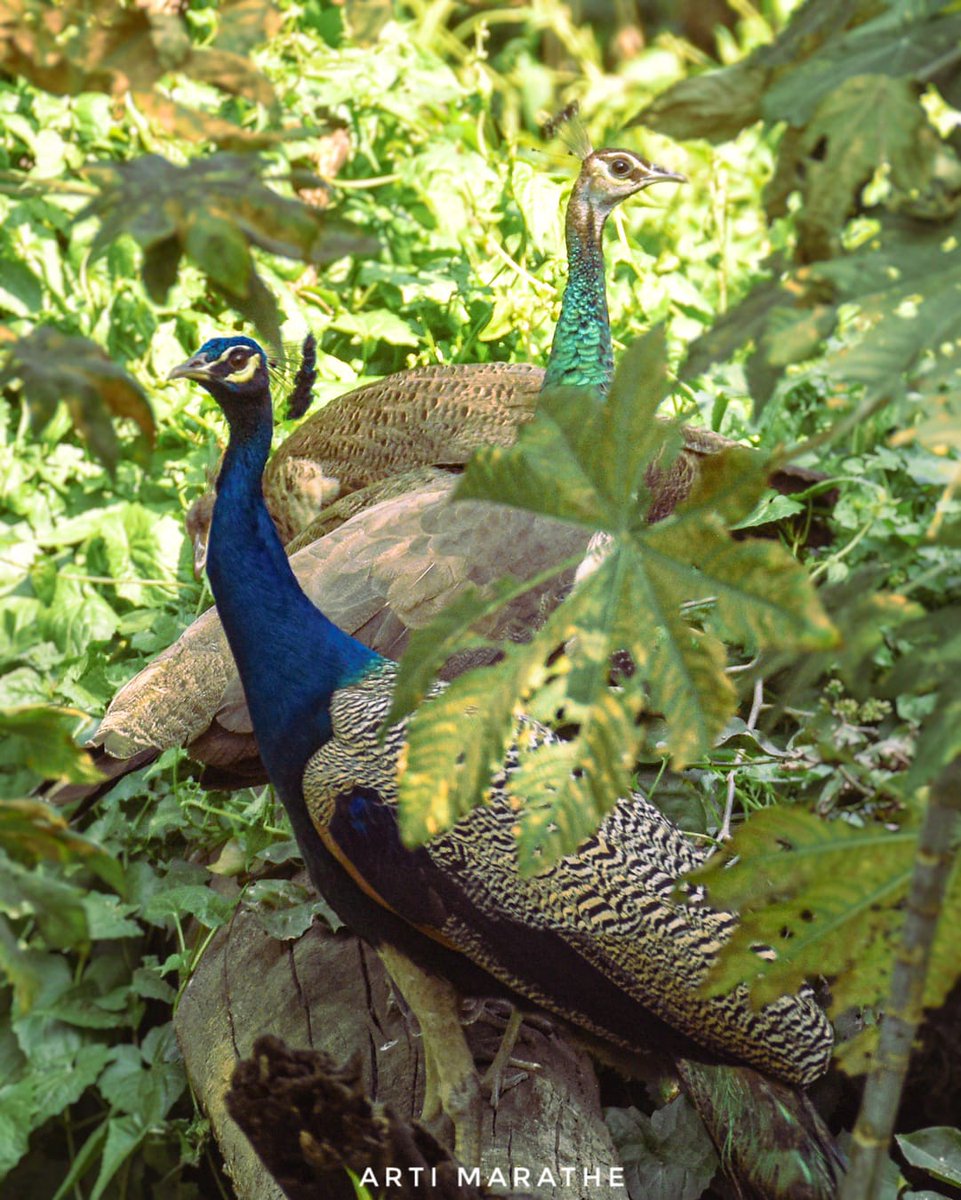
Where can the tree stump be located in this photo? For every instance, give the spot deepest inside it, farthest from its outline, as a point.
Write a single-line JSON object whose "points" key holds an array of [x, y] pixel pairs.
{"points": [[329, 992]]}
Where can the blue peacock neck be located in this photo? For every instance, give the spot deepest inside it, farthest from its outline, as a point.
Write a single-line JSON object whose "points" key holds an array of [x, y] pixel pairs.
{"points": [[291, 658], [581, 353]]}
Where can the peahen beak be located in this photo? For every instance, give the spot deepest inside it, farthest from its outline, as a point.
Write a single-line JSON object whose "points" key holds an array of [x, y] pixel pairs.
{"points": [[194, 368], [662, 175]]}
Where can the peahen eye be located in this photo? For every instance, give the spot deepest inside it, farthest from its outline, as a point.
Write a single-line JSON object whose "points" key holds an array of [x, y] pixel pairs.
{"points": [[620, 167]]}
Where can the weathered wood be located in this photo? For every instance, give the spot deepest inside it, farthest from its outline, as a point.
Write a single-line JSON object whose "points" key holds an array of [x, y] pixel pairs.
{"points": [[329, 992], [309, 1120]]}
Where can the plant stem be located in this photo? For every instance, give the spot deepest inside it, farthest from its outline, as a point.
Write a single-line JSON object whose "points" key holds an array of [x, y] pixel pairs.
{"points": [[882, 1092]]}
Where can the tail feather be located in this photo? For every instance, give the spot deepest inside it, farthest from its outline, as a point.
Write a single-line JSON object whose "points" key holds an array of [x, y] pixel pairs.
{"points": [[772, 1143]]}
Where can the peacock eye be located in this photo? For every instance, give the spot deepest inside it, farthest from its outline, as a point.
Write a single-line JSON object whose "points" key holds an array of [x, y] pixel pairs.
{"points": [[238, 357], [620, 167]]}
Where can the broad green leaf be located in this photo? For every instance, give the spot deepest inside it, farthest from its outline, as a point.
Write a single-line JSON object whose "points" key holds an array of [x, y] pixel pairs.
{"points": [[124, 1135], [209, 908], [715, 106], [143, 1089], [666, 1156], [56, 907], [143, 550], [285, 910], [17, 970], [31, 830], [936, 1150], [30, 1102]]}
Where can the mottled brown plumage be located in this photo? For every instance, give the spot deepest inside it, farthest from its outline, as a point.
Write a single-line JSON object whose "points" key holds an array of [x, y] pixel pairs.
{"points": [[372, 444], [389, 569], [424, 417]]}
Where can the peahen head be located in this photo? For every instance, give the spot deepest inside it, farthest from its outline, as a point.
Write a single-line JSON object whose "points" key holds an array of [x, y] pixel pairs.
{"points": [[233, 369], [582, 354], [608, 177]]}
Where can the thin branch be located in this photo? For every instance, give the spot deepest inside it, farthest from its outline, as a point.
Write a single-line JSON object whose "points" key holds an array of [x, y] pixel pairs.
{"points": [[882, 1092]]}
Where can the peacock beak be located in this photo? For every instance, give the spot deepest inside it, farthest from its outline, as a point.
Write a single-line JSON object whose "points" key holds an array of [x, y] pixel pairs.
{"points": [[194, 368]]}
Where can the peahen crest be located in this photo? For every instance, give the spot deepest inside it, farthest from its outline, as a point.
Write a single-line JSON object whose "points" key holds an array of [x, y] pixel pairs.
{"points": [[567, 125]]}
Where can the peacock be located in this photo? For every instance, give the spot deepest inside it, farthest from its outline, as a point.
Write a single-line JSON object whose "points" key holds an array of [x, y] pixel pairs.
{"points": [[598, 938]]}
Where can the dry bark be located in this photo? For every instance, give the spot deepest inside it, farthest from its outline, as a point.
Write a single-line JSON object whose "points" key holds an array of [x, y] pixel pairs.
{"points": [[329, 992]]}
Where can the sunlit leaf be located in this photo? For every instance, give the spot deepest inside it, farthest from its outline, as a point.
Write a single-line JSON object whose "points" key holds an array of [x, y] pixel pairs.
{"points": [[31, 830], [49, 368], [42, 738]]}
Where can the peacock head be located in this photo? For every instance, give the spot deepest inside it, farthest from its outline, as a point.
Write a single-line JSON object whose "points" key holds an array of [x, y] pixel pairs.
{"points": [[609, 176], [232, 369]]}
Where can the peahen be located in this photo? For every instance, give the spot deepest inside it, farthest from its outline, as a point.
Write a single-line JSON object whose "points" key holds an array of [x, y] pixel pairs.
{"points": [[597, 938]]}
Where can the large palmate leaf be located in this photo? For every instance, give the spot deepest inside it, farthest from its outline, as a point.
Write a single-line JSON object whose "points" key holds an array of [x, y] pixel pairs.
{"points": [[825, 44], [50, 368], [586, 461], [213, 211], [828, 898], [868, 123]]}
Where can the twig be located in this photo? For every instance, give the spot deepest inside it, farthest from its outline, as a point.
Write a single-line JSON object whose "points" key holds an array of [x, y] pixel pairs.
{"points": [[724, 833], [882, 1092]]}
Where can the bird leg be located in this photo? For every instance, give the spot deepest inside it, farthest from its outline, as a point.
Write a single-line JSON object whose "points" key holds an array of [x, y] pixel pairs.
{"points": [[452, 1084], [494, 1077], [494, 1080]]}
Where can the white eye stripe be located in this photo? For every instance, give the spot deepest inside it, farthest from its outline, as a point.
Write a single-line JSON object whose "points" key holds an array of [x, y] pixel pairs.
{"points": [[246, 372]]}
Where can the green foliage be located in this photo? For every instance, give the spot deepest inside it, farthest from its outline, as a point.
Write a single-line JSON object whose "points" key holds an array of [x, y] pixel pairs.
{"points": [[583, 460], [42, 739], [667, 1156], [52, 369], [828, 898], [212, 212], [101, 925], [936, 1151], [96, 46]]}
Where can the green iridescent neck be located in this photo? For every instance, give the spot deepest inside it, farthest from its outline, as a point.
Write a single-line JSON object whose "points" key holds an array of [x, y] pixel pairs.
{"points": [[581, 353]]}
